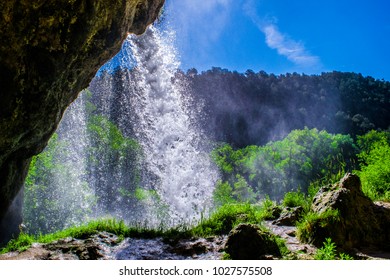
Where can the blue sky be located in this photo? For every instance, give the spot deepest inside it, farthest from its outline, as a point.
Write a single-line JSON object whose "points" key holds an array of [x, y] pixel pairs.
{"points": [[279, 36]]}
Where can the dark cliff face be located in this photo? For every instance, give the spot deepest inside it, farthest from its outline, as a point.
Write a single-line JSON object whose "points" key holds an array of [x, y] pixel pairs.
{"points": [[49, 52]]}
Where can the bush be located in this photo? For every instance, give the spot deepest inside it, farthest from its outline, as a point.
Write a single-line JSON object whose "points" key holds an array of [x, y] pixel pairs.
{"points": [[295, 199], [314, 226], [269, 209], [375, 165], [226, 217], [329, 252]]}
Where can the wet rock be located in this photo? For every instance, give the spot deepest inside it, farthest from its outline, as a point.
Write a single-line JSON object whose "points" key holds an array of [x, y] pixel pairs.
{"points": [[193, 248], [159, 249], [197, 246], [52, 51], [249, 242], [360, 221], [289, 216], [96, 247]]}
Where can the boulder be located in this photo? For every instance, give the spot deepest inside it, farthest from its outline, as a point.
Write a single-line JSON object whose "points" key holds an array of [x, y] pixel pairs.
{"points": [[359, 222], [289, 216], [249, 242], [51, 51]]}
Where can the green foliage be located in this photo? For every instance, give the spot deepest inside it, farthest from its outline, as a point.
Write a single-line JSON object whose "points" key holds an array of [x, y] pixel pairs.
{"points": [[302, 157], [22, 243], [112, 155], [109, 135], [242, 192], [268, 207], [226, 217], [226, 158], [284, 251], [313, 222], [119, 228], [294, 199], [59, 194], [375, 164], [222, 193], [50, 182], [329, 252], [142, 194]]}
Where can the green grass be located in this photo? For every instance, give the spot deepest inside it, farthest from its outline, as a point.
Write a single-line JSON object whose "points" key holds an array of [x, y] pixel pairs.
{"points": [[227, 217], [311, 222], [119, 228], [295, 199], [220, 222]]}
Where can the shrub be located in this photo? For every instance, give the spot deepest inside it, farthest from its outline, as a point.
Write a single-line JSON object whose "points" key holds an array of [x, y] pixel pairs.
{"points": [[226, 217], [329, 252], [294, 199], [375, 164], [314, 226]]}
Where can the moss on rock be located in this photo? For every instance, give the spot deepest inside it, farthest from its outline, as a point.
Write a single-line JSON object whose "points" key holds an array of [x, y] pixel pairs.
{"points": [[343, 213]]}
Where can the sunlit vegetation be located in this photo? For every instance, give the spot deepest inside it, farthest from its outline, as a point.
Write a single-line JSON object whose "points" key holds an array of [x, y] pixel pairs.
{"points": [[58, 188], [25, 240], [329, 252], [284, 166], [313, 222], [48, 185], [375, 164], [227, 217]]}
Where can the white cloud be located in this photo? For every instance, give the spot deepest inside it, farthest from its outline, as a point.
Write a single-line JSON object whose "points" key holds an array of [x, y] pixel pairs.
{"points": [[293, 50]]}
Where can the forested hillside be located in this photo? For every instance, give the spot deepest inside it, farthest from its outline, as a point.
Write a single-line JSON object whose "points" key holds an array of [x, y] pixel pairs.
{"points": [[254, 108]]}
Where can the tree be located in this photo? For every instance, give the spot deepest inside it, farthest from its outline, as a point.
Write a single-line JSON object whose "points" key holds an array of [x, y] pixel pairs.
{"points": [[375, 164]]}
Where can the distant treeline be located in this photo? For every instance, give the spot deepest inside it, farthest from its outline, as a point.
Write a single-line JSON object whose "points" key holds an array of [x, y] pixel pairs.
{"points": [[255, 108]]}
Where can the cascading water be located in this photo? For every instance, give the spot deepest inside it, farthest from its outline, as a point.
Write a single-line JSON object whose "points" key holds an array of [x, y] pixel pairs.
{"points": [[57, 193], [130, 147], [175, 153]]}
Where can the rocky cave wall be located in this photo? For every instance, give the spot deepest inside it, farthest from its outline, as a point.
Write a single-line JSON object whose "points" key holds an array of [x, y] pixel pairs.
{"points": [[50, 50]]}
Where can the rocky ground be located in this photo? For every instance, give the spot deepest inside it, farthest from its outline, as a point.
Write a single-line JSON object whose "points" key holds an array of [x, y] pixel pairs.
{"points": [[361, 224], [107, 246]]}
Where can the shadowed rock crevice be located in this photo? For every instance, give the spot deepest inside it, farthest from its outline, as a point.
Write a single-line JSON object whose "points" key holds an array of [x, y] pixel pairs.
{"points": [[51, 50]]}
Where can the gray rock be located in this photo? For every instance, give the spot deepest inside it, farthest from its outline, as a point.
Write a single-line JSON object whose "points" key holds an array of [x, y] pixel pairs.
{"points": [[360, 223], [249, 242], [289, 216]]}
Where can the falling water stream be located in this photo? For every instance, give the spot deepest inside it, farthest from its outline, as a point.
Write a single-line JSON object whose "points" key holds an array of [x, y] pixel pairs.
{"points": [[148, 104], [184, 175]]}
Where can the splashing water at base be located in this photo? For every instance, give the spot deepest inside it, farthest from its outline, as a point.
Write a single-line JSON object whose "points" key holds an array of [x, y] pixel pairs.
{"points": [[95, 168], [182, 172]]}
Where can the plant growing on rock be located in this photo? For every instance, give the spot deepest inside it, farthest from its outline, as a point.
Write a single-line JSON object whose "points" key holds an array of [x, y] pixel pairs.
{"points": [[312, 224]]}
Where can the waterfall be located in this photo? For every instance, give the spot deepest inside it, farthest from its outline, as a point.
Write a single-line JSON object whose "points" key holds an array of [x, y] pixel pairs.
{"points": [[129, 147], [175, 150]]}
